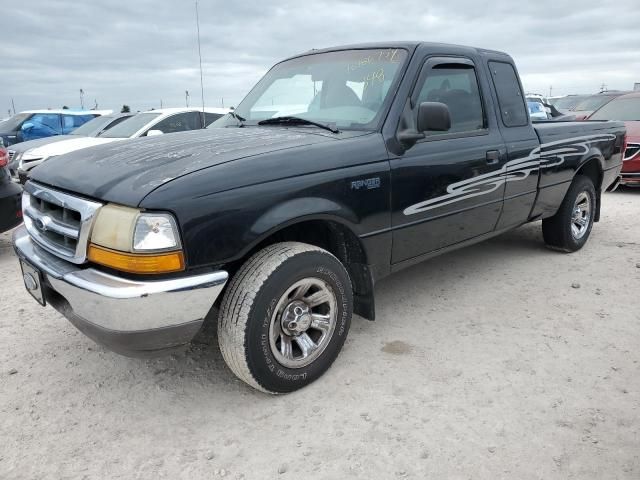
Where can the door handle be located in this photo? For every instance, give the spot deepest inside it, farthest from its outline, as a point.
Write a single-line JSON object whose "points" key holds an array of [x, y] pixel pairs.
{"points": [[493, 157]]}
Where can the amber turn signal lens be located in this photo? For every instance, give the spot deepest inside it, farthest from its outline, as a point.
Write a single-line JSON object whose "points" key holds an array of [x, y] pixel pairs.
{"points": [[137, 262]]}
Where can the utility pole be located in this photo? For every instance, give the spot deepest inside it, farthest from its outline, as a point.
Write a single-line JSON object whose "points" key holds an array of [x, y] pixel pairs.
{"points": [[160, 103], [186, 97], [550, 90], [13, 105], [222, 102], [200, 58], [82, 99], [603, 87]]}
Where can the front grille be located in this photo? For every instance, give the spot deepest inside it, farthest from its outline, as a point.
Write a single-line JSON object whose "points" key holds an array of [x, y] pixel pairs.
{"points": [[12, 153], [58, 222], [631, 150]]}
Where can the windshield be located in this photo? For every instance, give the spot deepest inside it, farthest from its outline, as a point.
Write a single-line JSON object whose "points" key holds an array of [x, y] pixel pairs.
{"points": [[130, 126], [93, 127], [621, 108], [593, 103], [14, 122], [348, 89], [567, 103]]}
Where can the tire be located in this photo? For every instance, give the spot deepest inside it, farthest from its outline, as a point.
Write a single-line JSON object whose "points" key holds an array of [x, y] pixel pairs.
{"points": [[568, 230], [271, 303]]}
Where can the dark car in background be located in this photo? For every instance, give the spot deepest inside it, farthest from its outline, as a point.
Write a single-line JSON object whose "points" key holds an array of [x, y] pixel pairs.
{"points": [[626, 108], [92, 128], [10, 195], [589, 105], [34, 124]]}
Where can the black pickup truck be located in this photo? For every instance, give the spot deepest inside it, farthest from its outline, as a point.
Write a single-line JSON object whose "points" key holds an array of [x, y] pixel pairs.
{"points": [[340, 167]]}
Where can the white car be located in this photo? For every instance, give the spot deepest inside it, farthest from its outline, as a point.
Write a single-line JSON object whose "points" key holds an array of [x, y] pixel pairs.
{"points": [[152, 122]]}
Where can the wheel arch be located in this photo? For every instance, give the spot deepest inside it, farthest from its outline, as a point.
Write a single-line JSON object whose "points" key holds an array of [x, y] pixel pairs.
{"points": [[592, 168], [336, 236]]}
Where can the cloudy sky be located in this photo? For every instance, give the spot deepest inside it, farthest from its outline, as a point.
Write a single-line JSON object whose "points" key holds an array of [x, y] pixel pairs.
{"points": [[142, 52]]}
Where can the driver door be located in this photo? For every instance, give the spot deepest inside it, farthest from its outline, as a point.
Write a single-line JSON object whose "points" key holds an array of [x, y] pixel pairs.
{"points": [[448, 187]]}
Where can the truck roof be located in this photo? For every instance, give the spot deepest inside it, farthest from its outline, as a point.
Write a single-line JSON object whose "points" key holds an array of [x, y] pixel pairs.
{"points": [[409, 45]]}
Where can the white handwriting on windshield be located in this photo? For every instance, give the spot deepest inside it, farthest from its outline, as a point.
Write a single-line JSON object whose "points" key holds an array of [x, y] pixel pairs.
{"points": [[383, 56]]}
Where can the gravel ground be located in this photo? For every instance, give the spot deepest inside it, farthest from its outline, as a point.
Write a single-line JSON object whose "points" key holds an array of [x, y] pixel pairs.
{"points": [[502, 360]]}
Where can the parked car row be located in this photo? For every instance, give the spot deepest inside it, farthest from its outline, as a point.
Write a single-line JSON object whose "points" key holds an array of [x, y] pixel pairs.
{"points": [[27, 155], [34, 124], [92, 128]]}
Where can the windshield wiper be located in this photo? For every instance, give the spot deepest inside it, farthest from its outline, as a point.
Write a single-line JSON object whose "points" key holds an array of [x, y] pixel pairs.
{"points": [[288, 120], [240, 119]]}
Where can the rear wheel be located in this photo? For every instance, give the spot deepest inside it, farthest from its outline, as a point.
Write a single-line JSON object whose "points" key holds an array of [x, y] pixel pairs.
{"points": [[569, 229], [285, 316]]}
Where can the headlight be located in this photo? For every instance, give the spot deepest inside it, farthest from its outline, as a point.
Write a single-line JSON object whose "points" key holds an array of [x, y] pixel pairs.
{"points": [[128, 239], [155, 232]]}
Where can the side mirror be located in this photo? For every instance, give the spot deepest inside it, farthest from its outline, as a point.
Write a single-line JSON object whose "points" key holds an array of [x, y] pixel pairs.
{"points": [[153, 133], [433, 116], [26, 126]]}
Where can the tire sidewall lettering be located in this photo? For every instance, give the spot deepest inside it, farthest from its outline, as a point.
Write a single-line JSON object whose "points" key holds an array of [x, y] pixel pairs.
{"points": [[260, 332]]}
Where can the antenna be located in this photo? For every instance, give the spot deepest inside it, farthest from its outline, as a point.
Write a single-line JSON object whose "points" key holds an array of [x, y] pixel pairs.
{"points": [[200, 58]]}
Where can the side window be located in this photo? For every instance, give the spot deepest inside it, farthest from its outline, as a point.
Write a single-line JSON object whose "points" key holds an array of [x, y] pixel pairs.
{"points": [[209, 118], [43, 125], [71, 122], [510, 98], [179, 123], [455, 85]]}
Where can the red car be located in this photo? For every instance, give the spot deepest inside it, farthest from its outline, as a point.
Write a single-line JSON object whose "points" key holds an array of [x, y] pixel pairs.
{"points": [[627, 109], [590, 104], [10, 196]]}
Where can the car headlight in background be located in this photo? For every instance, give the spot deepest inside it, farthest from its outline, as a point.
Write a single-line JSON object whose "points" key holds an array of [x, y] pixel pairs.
{"points": [[131, 240]]}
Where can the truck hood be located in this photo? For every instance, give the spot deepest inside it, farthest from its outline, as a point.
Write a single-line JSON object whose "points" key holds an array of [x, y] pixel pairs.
{"points": [[125, 172], [67, 146]]}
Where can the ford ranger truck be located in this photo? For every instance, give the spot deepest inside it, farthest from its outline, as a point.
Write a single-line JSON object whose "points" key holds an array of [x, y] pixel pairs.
{"points": [[341, 166]]}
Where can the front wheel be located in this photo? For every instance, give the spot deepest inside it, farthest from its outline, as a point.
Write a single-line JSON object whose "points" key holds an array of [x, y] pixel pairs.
{"points": [[570, 227], [285, 316]]}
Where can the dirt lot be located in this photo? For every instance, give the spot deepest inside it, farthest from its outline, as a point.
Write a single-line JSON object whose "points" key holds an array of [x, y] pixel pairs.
{"points": [[503, 360]]}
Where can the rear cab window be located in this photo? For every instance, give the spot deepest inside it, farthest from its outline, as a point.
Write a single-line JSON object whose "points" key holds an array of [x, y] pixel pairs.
{"points": [[513, 110]]}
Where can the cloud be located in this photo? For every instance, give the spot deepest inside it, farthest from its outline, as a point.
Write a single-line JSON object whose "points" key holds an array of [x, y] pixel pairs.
{"points": [[139, 53]]}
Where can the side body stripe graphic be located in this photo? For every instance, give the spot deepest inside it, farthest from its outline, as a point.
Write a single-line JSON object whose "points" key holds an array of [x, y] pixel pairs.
{"points": [[546, 155]]}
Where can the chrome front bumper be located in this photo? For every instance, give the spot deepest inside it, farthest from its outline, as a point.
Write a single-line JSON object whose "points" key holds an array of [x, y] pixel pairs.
{"points": [[131, 317]]}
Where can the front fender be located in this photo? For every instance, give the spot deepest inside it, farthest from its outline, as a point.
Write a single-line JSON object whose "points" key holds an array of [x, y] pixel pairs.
{"points": [[302, 209], [223, 227]]}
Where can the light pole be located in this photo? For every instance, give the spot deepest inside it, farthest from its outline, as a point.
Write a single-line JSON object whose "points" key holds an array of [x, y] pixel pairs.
{"points": [[186, 97], [200, 57], [82, 99]]}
